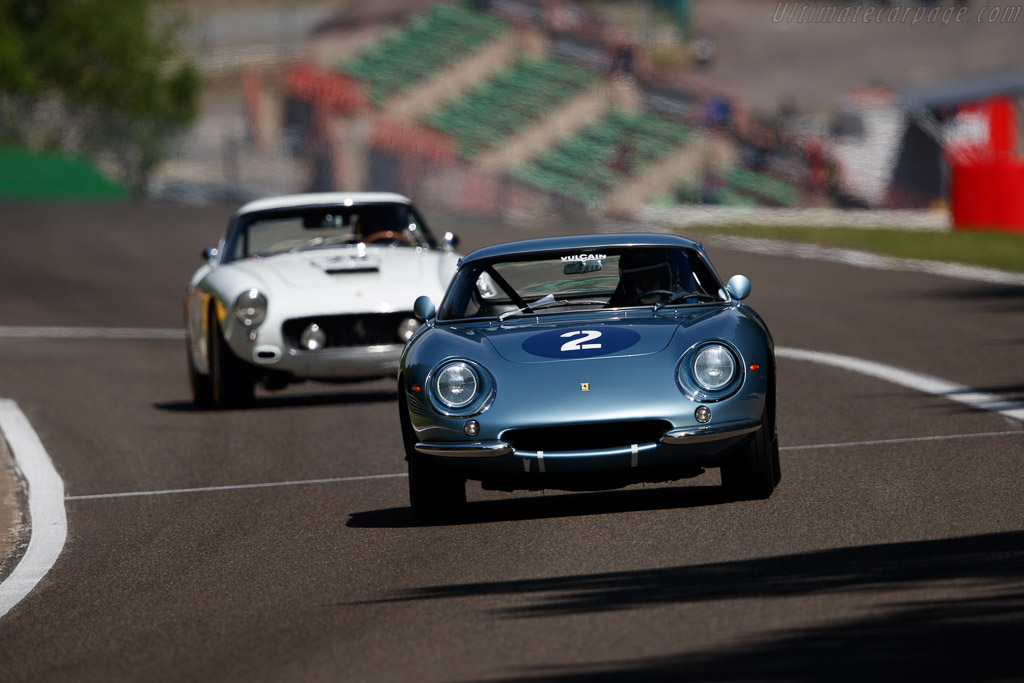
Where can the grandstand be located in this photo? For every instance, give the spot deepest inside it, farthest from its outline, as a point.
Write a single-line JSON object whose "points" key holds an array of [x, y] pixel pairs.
{"points": [[503, 117], [427, 44], [510, 102], [589, 164], [764, 188], [738, 186]]}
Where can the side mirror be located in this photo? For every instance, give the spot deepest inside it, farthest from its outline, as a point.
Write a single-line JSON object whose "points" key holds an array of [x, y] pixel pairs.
{"points": [[424, 309], [738, 287], [210, 253], [451, 241]]}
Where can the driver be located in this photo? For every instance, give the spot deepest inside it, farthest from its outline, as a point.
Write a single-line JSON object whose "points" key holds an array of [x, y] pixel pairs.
{"points": [[357, 227], [642, 271]]}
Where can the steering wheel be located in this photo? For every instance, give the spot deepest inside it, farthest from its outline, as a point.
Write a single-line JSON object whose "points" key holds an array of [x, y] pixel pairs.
{"points": [[649, 292], [387, 235]]}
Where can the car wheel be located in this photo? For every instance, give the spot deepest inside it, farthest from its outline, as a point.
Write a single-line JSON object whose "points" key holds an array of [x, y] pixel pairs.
{"points": [[202, 385], [753, 472], [231, 384], [434, 495], [776, 465]]}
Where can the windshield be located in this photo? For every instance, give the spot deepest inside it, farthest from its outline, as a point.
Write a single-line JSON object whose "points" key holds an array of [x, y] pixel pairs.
{"points": [[614, 278], [300, 228]]}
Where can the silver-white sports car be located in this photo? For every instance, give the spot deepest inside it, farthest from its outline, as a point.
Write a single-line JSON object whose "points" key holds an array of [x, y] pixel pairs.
{"points": [[310, 286]]}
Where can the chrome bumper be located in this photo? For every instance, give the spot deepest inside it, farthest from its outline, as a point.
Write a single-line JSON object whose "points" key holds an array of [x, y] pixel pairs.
{"points": [[466, 450], [340, 362], [676, 437], [706, 433]]}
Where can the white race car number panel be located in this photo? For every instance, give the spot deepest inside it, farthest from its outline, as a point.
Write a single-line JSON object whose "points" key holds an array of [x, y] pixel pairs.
{"points": [[580, 343]]}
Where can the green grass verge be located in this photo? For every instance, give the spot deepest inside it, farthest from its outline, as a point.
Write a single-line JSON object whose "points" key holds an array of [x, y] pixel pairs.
{"points": [[32, 176], [1002, 250]]}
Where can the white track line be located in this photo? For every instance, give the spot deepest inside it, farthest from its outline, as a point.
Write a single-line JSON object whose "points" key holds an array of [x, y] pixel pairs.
{"points": [[45, 504], [849, 257], [864, 259], [912, 380], [334, 480], [236, 487], [89, 333], [906, 439]]}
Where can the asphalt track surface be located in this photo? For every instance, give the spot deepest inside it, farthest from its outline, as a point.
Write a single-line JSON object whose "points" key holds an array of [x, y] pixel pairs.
{"points": [[899, 557]]}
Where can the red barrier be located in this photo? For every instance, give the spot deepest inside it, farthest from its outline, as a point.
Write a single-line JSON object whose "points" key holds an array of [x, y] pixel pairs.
{"points": [[988, 195], [986, 184]]}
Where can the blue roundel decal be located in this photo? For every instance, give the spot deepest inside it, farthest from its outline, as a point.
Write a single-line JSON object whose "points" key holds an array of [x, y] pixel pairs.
{"points": [[580, 343]]}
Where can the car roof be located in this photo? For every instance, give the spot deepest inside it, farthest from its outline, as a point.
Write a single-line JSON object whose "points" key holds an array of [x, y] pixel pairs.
{"points": [[289, 201], [579, 243]]}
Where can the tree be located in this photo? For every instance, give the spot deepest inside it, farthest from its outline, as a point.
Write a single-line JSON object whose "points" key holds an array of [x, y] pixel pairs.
{"points": [[96, 78]]}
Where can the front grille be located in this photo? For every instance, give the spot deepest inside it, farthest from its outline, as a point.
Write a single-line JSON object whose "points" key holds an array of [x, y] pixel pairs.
{"points": [[361, 329], [585, 437]]}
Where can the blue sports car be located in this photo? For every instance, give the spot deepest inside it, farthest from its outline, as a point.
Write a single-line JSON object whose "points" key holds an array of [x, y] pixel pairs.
{"points": [[586, 363]]}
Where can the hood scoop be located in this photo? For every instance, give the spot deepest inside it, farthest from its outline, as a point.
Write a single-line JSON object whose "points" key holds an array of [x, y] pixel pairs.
{"points": [[349, 264], [352, 270]]}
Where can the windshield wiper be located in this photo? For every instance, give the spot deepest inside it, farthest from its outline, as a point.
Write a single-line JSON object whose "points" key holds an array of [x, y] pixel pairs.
{"points": [[547, 301], [317, 242], [685, 295]]}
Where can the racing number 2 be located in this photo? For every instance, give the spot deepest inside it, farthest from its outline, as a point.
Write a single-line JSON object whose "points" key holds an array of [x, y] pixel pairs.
{"points": [[581, 343]]}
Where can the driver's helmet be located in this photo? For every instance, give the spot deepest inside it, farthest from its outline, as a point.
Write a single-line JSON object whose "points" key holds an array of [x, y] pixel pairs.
{"points": [[356, 226], [644, 270]]}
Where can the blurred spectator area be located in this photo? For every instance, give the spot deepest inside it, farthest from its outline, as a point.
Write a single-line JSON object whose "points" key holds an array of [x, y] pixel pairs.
{"points": [[505, 105], [512, 105]]}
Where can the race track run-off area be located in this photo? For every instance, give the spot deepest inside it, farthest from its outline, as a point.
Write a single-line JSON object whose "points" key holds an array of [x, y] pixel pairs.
{"points": [[275, 542]]}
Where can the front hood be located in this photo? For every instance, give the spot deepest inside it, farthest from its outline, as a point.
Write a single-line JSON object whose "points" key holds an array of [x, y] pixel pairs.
{"points": [[327, 267], [637, 334], [375, 277]]}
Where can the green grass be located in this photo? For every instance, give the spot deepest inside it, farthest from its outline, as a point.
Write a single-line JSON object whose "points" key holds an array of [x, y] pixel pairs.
{"points": [[33, 176], [1001, 250]]}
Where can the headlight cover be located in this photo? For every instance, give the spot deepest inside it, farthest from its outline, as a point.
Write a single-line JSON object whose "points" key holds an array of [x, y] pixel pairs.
{"points": [[714, 367], [710, 371], [251, 308], [460, 388]]}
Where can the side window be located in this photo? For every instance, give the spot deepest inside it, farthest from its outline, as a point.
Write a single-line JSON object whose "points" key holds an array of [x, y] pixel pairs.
{"points": [[703, 276]]}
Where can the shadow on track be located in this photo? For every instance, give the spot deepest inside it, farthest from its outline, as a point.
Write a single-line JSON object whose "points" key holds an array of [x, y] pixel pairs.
{"points": [[973, 636], [974, 639], [995, 297], [515, 509]]}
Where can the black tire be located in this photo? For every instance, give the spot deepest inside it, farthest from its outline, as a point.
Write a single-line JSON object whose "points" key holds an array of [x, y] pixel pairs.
{"points": [[231, 383], [434, 495], [201, 385], [753, 472], [776, 464]]}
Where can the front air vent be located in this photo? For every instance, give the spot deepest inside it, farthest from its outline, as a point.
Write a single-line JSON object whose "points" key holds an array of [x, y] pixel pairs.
{"points": [[585, 437], [352, 271], [360, 329]]}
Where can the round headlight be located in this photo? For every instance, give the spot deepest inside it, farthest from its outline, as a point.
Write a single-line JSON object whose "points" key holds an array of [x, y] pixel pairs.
{"points": [[714, 367], [251, 307], [456, 385]]}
